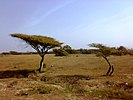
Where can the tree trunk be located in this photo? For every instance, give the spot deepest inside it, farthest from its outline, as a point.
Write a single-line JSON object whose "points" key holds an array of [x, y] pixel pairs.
{"points": [[41, 64], [110, 67], [111, 70]]}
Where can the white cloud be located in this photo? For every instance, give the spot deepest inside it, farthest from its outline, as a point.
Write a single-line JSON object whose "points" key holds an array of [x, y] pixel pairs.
{"points": [[113, 21], [45, 15]]}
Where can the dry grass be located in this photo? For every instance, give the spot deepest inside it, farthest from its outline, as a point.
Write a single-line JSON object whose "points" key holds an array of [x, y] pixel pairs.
{"points": [[76, 77]]}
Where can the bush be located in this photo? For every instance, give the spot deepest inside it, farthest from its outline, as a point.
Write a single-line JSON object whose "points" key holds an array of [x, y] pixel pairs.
{"points": [[130, 52], [60, 52], [35, 90], [116, 53], [43, 90]]}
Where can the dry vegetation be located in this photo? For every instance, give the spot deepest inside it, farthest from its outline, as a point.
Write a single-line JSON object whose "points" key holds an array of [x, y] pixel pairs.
{"points": [[76, 77]]}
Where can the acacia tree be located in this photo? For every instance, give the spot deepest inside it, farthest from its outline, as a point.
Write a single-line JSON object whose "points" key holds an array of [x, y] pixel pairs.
{"points": [[67, 48], [40, 43], [104, 51]]}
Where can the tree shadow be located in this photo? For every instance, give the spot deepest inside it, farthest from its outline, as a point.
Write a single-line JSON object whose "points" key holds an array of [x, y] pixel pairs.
{"points": [[15, 73], [66, 78], [74, 77]]}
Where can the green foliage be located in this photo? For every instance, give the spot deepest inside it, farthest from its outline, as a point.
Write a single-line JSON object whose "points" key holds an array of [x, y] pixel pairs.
{"points": [[63, 51], [130, 52], [67, 47], [43, 90], [40, 43], [60, 52], [37, 40], [121, 50], [85, 51], [102, 50], [35, 90]]}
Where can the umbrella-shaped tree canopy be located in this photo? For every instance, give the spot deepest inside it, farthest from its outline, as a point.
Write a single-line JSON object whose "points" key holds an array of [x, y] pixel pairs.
{"points": [[103, 51], [40, 43], [35, 40]]}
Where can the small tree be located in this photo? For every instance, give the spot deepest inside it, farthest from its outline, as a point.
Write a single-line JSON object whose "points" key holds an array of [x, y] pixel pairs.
{"points": [[60, 52], [104, 51], [40, 43], [67, 48], [122, 50]]}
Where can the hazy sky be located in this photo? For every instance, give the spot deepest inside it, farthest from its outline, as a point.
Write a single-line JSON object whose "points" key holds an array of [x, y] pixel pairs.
{"points": [[74, 22]]}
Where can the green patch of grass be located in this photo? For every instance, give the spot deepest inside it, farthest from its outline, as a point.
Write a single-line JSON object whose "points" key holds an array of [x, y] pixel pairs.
{"points": [[35, 90], [43, 90], [73, 89], [109, 93]]}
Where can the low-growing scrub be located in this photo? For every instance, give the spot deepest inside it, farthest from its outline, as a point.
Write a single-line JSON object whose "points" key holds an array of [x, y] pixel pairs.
{"points": [[35, 90], [110, 93], [76, 75]]}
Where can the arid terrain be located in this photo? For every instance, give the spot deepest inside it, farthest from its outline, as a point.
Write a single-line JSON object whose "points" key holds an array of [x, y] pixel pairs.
{"points": [[75, 77]]}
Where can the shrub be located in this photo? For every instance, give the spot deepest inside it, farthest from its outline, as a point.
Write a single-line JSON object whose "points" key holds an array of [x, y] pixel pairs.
{"points": [[60, 52], [35, 90], [43, 90]]}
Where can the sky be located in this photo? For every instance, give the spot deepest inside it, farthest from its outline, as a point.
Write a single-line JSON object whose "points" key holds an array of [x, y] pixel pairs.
{"points": [[73, 22]]}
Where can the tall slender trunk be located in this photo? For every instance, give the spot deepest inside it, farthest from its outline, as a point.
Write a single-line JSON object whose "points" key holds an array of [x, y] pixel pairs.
{"points": [[110, 67], [41, 64], [111, 70]]}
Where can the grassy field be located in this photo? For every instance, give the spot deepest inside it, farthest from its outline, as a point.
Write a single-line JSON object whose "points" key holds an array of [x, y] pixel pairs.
{"points": [[76, 77]]}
